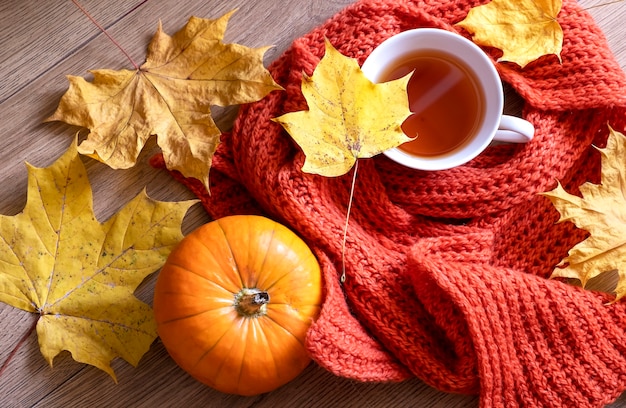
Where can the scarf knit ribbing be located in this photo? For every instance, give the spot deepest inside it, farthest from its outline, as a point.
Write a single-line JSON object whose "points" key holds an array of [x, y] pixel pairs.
{"points": [[447, 272]]}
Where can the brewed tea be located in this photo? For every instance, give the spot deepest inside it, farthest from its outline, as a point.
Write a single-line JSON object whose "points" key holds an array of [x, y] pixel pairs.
{"points": [[446, 102]]}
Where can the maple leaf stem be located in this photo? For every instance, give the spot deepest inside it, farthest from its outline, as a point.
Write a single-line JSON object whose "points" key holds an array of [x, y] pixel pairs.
{"points": [[19, 344], [105, 32], [345, 230]]}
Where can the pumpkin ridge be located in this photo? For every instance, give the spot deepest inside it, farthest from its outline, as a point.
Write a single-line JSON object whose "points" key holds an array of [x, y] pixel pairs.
{"points": [[241, 365], [209, 349], [266, 252], [206, 278], [256, 326], [284, 329], [238, 329], [275, 365], [181, 318], [265, 326], [287, 273], [199, 241], [230, 250]]}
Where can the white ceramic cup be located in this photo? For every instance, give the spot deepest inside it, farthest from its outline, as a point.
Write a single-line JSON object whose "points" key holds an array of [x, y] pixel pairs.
{"points": [[494, 126]]}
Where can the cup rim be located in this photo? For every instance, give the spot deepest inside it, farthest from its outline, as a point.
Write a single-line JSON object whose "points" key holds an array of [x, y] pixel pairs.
{"points": [[474, 58]]}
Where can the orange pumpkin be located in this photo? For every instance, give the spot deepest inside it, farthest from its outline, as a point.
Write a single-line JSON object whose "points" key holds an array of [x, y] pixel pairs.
{"points": [[233, 303]]}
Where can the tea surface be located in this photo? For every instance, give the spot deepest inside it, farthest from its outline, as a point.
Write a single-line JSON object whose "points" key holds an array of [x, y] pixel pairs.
{"points": [[447, 104]]}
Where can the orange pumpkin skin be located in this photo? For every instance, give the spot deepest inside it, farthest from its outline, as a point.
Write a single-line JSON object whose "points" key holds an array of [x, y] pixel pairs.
{"points": [[233, 303]]}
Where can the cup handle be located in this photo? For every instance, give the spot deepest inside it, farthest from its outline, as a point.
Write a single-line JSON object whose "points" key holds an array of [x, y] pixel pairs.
{"points": [[514, 130]]}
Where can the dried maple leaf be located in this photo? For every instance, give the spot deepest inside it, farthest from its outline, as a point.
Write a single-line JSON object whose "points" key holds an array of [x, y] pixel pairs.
{"points": [[349, 117], [601, 211], [168, 96], [523, 29], [78, 274]]}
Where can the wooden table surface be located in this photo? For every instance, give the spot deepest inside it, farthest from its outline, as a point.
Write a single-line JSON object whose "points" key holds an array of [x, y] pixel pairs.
{"points": [[40, 43]]}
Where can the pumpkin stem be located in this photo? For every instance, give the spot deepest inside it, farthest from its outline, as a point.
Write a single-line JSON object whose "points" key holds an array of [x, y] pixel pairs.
{"points": [[251, 302]]}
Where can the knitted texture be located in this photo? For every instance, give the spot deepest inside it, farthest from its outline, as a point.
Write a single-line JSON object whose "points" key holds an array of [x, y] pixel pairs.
{"points": [[447, 272]]}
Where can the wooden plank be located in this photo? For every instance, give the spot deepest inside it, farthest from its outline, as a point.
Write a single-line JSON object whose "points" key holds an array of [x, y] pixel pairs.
{"points": [[609, 16], [33, 38], [164, 384]]}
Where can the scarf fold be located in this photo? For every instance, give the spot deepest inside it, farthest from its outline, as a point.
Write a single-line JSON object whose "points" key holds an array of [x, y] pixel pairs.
{"points": [[446, 272]]}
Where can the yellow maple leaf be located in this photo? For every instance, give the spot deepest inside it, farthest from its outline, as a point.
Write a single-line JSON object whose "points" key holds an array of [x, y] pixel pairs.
{"points": [[169, 96], [523, 29], [601, 211], [77, 274], [349, 117]]}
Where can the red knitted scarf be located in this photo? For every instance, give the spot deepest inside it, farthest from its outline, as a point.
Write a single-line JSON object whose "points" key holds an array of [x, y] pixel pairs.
{"points": [[447, 271]]}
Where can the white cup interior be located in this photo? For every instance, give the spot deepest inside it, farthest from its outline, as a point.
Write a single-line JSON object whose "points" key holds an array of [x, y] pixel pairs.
{"points": [[438, 40]]}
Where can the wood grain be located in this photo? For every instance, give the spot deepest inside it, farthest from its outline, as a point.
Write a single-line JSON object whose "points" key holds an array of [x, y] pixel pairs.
{"points": [[40, 43]]}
